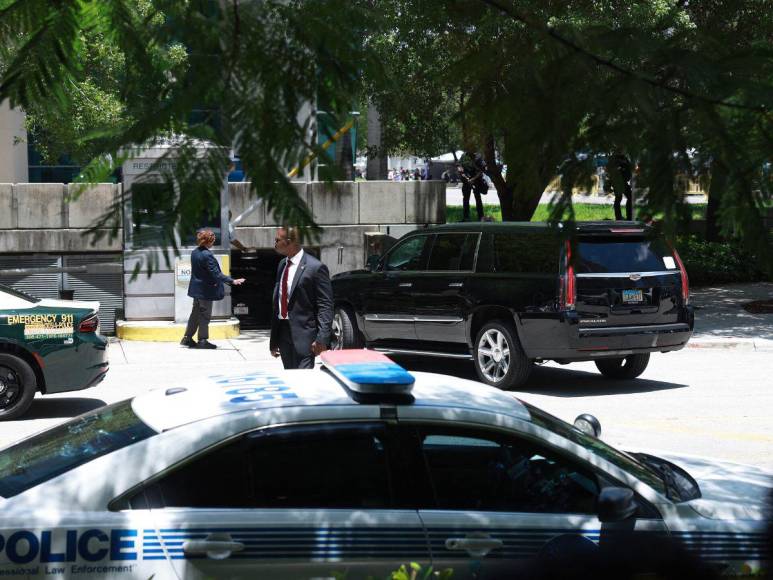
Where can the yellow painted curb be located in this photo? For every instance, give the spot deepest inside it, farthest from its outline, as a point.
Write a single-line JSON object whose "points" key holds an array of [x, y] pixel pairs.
{"points": [[153, 331]]}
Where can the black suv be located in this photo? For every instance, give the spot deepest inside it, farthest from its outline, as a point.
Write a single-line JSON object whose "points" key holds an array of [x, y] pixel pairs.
{"points": [[508, 295]]}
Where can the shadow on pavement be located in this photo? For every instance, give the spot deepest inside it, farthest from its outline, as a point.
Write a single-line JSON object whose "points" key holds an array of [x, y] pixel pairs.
{"points": [[61, 407], [257, 335], [557, 382], [575, 383]]}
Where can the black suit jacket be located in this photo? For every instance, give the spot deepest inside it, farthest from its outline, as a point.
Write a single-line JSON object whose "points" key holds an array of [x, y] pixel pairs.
{"points": [[309, 307]]}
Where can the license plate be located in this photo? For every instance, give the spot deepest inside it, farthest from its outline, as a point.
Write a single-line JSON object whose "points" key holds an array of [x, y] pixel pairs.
{"points": [[630, 296], [241, 310]]}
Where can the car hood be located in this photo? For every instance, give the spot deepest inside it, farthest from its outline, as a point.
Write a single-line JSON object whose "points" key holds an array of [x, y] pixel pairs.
{"points": [[51, 303], [728, 490]]}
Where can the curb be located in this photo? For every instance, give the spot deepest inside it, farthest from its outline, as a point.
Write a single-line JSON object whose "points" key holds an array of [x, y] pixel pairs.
{"points": [[162, 331], [731, 344]]}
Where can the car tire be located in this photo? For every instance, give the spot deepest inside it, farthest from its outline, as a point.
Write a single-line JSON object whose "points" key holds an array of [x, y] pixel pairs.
{"points": [[345, 331], [17, 386], [629, 367], [499, 359]]}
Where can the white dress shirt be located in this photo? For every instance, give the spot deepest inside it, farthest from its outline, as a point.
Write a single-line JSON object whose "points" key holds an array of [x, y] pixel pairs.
{"points": [[292, 264]]}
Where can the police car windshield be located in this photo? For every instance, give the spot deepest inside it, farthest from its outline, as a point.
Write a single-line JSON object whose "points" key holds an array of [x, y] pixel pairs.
{"points": [[622, 460], [59, 449], [18, 293]]}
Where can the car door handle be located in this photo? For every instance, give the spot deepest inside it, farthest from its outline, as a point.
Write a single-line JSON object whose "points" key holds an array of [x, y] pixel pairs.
{"points": [[214, 549], [476, 546], [405, 284], [456, 284]]}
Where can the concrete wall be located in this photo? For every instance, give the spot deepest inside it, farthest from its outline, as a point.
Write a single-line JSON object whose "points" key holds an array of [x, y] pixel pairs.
{"points": [[347, 211], [46, 217]]}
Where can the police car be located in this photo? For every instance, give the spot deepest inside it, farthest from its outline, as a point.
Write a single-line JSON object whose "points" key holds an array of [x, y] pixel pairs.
{"points": [[352, 470], [50, 346]]}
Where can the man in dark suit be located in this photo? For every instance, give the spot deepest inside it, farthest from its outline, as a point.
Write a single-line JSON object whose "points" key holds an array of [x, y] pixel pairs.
{"points": [[206, 286], [302, 306]]}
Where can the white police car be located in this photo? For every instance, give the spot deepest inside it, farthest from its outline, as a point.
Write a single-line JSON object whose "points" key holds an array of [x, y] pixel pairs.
{"points": [[355, 470]]}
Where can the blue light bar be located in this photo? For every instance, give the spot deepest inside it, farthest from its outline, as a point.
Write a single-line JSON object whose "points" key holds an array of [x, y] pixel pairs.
{"points": [[368, 372]]}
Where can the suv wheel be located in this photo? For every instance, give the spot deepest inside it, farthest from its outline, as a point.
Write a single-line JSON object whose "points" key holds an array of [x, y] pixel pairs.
{"points": [[629, 367], [499, 358], [17, 386], [345, 331]]}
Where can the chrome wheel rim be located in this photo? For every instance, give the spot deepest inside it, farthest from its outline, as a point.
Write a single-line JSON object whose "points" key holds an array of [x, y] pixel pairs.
{"points": [[10, 388], [336, 330], [493, 355]]}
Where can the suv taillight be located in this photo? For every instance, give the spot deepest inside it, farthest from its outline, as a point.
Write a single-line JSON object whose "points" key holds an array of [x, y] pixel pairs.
{"points": [[568, 293], [685, 279], [89, 324]]}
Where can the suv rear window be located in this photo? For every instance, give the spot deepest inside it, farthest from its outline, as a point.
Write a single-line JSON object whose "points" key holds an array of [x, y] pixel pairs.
{"points": [[55, 451], [613, 254]]}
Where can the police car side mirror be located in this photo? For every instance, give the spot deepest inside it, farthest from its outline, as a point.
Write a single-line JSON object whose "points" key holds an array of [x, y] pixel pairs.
{"points": [[616, 504], [588, 424]]}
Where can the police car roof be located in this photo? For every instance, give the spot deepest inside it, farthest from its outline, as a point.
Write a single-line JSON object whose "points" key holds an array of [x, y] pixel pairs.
{"points": [[220, 395]]}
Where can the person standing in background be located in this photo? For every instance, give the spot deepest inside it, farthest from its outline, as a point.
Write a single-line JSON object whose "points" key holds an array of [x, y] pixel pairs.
{"points": [[206, 286], [470, 170], [302, 317]]}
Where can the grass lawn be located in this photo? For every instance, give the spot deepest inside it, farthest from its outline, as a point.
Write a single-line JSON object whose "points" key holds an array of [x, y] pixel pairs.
{"points": [[583, 212]]}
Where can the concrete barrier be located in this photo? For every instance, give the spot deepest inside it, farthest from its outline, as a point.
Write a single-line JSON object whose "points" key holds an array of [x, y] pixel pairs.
{"points": [[91, 204], [335, 203], [7, 213], [40, 206], [382, 202]]}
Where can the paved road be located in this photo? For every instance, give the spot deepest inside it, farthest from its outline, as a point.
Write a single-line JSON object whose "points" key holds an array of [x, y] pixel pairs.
{"points": [[713, 401]]}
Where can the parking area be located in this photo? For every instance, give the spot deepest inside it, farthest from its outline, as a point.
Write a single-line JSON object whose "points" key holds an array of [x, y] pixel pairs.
{"points": [[712, 398]]}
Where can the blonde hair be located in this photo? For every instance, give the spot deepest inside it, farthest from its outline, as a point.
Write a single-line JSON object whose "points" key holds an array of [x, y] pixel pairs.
{"points": [[205, 237]]}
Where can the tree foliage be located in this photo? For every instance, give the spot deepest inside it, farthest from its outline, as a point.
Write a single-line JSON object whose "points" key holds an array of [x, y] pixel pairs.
{"points": [[683, 89], [233, 75], [540, 87]]}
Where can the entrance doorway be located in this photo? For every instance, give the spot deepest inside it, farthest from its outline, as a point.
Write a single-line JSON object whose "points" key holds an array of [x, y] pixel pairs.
{"points": [[251, 301]]}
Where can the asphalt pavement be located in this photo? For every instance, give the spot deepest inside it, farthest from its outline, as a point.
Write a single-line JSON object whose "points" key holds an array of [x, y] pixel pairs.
{"points": [[712, 398], [720, 323]]}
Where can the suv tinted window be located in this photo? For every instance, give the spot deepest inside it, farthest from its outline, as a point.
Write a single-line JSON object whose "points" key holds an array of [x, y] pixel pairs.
{"points": [[453, 252], [519, 252], [479, 470], [332, 466], [408, 255], [607, 254]]}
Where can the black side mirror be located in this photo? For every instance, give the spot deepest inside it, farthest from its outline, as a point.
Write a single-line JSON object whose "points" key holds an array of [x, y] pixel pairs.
{"points": [[372, 263], [616, 504]]}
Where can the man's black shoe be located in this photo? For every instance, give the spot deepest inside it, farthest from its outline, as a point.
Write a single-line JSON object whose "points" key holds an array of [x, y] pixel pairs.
{"points": [[205, 344], [188, 341]]}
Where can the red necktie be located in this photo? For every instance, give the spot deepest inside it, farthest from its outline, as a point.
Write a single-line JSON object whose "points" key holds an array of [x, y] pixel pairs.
{"points": [[283, 310]]}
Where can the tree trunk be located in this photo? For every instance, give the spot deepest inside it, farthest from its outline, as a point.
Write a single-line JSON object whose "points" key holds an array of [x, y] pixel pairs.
{"points": [[376, 167], [504, 191], [717, 187]]}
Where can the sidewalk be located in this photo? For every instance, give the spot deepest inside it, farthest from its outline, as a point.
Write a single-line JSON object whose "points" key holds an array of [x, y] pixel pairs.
{"points": [[720, 322]]}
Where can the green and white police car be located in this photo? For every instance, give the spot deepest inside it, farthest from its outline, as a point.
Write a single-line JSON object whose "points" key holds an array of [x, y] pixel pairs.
{"points": [[350, 470], [51, 346]]}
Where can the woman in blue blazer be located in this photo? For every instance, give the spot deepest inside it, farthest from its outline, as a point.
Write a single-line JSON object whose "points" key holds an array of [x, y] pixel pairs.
{"points": [[207, 285]]}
